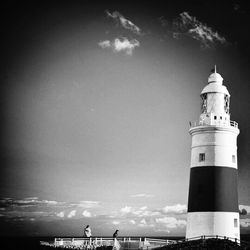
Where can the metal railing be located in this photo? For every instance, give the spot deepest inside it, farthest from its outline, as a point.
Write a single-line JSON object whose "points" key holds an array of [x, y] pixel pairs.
{"points": [[216, 237], [205, 237], [94, 242], [133, 243], [217, 123]]}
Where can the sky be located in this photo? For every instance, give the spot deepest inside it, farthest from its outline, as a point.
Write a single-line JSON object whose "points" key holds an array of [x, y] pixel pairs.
{"points": [[96, 99]]}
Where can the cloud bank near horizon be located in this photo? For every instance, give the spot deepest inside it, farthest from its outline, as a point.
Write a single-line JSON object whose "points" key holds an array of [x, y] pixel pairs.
{"points": [[167, 219]]}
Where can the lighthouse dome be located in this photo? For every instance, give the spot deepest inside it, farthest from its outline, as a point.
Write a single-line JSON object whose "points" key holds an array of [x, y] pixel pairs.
{"points": [[215, 77], [215, 85]]}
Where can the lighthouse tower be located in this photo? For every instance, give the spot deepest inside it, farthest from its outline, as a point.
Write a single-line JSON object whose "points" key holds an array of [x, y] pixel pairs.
{"points": [[213, 196]]}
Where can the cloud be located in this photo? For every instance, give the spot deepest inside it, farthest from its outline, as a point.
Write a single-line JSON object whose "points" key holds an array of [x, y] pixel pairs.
{"points": [[115, 222], [245, 222], [60, 214], [86, 213], [28, 202], [32, 207], [176, 209], [132, 222], [31, 198], [105, 44], [88, 204], [190, 26], [142, 195], [126, 209], [143, 222], [146, 213], [72, 214], [51, 202], [120, 45], [171, 222], [186, 25], [124, 22]]}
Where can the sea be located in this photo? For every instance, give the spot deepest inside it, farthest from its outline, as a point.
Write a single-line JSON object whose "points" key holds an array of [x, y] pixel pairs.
{"points": [[33, 243]]}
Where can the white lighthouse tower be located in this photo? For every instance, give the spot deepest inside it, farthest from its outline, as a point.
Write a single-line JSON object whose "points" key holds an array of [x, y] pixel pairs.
{"points": [[213, 196]]}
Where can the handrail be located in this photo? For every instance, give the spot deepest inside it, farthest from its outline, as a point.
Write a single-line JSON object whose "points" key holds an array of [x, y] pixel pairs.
{"points": [[204, 237], [144, 243], [218, 123], [93, 242]]}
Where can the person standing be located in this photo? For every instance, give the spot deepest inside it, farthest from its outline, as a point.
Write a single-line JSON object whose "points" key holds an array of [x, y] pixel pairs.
{"points": [[115, 234], [87, 231], [116, 244]]}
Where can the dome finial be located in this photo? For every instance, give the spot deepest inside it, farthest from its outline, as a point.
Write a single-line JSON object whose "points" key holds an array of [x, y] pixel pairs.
{"points": [[215, 77]]}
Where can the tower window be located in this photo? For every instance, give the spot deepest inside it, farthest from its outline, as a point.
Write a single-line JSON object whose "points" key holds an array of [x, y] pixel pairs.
{"points": [[202, 157], [235, 223], [233, 159], [204, 103], [215, 117], [221, 117], [226, 104]]}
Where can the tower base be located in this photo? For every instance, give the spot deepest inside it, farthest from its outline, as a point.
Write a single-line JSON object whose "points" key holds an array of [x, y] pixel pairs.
{"points": [[212, 224]]}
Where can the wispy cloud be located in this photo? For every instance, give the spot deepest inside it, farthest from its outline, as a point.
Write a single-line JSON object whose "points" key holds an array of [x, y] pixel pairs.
{"points": [[190, 26], [186, 25], [120, 45], [176, 209], [32, 207], [116, 222], [124, 22], [145, 213], [142, 195], [171, 222], [27, 202], [88, 204]]}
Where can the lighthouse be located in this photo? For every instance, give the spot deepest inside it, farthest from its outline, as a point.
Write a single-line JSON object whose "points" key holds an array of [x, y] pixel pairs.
{"points": [[213, 196]]}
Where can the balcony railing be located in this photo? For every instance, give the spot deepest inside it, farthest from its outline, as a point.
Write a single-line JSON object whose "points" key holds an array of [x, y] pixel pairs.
{"points": [[214, 123]]}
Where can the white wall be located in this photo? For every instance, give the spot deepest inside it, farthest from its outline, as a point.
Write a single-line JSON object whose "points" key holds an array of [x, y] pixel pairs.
{"points": [[212, 223]]}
